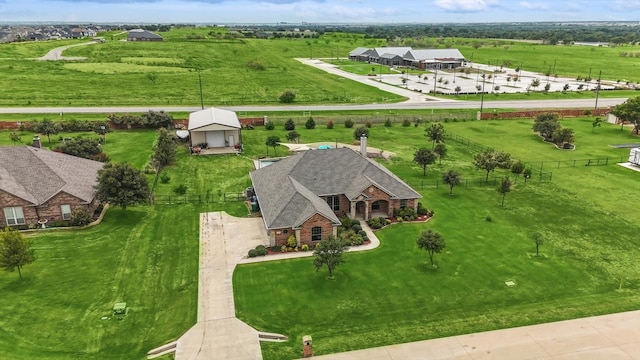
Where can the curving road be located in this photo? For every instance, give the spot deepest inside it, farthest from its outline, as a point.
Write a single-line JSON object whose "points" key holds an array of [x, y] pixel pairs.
{"points": [[444, 104]]}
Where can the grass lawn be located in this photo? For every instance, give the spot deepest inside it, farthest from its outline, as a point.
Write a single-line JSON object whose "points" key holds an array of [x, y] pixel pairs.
{"points": [[391, 295]]}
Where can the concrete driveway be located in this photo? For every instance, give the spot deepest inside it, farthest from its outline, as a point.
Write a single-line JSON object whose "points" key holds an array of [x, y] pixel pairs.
{"points": [[218, 334]]}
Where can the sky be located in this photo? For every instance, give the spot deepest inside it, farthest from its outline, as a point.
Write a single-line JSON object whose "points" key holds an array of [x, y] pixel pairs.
{"points": [[316, 11]]}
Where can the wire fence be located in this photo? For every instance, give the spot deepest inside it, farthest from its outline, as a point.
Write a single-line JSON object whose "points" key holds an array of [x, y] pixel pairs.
{"points": [[172, 199], [482, 181], [373, 119]]}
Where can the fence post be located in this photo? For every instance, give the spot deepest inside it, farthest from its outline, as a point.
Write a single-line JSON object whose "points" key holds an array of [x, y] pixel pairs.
{"points": [[606, 161], [422, 185]]}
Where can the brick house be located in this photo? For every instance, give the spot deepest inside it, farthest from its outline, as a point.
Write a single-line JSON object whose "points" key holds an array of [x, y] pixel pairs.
{"points": [[304, 195], [38, 184]]}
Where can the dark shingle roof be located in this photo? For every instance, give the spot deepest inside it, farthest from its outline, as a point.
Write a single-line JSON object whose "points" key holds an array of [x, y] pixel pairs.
{"points": [[142, 34], [36, 175], [288, 190]]}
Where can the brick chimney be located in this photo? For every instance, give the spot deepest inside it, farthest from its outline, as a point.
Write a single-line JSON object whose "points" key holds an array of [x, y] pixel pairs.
{"points": [[363, 145], [36, 142]]}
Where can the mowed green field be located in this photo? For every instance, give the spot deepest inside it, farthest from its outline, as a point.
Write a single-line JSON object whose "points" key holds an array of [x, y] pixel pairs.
{"points": [[164, 73], [391, 295]]}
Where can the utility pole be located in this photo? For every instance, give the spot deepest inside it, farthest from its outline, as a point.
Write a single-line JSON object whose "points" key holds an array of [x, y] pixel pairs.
{"points": [[595, 109], [482, 99], [435, 81]]}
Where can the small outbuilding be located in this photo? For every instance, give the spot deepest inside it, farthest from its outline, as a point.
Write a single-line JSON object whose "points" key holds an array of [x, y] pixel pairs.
{"points": [[214, 128]]}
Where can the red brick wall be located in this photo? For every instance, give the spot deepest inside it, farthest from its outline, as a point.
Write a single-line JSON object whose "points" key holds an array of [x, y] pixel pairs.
{"points": [[8, 200], [50, 211], [315, 220], [257, 121], [281, 239], [345, 205], [376, 194]]}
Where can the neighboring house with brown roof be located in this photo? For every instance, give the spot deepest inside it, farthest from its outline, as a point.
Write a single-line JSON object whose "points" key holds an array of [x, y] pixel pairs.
{"points": [[38, 184], [304, 195]]}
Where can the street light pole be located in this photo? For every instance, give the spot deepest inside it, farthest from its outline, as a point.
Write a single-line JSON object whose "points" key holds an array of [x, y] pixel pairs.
{"points": [[595, 109], [482, 99], [435, 81]]}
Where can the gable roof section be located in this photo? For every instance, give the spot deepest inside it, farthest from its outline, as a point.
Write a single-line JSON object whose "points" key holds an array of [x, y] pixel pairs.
{"points": [[358, 51], [434, 54], [289, 190], [36, 175], [213, 116], [400, 51]]}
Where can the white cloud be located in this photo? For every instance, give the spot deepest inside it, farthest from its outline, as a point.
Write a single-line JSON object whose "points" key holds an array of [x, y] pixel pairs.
{"points": [[465, 5], [625, 5], [533, 6]]}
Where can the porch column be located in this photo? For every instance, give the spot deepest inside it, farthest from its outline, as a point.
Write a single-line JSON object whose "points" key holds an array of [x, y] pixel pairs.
{"points": [[335, 231], [353, 210], [415, 205], [298, 236], [272, 238], [366, 210]]}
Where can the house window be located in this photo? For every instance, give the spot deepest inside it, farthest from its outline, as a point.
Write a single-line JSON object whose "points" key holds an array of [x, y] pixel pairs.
{"points": [[14, 215], [403, 204], [66, 212], [375, 205], [285, 231], [334, 202], [316, 233]]}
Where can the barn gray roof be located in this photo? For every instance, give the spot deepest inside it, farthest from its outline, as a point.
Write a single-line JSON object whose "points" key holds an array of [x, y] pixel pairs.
{"points": [[142, 34], [36, 175], [288, 190], [432, 54]]}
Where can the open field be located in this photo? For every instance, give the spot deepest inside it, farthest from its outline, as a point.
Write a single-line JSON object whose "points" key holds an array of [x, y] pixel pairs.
{"points": [[586, 215], [164, 73]]}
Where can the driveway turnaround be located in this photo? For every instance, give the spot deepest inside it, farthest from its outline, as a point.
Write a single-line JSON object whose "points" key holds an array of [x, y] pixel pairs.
{"points": [[224, 240], [607, 337]]}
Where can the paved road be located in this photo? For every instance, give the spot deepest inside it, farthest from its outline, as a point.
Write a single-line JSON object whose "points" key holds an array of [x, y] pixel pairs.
{"points": [[56, 54], [445, 104]]}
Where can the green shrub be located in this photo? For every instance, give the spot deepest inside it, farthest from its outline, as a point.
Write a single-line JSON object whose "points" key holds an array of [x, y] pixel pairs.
{"points": [[291, 241], [148, 168], [488, 218], [388, 123], [517, 167], [362, 233], [360, 131], [80, 217], [348, 123], [269, 126], [287, 96], [276, 248], [261, 250], [310, 124], [164, 178], [252, 253], [356, 227], [346, 222], [406, 122], [305, 247], [374, 223], [289, 125], [330, 124], [422, 210], [368, 124], [180, 189]]}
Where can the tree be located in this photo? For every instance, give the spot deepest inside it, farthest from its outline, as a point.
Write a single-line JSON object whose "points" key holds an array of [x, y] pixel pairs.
{"points": [[504, 188], [441, 151], [287, 96], [562, 136], [156, 119], [293, 136], [165, 148], [310, 124], [597, 122], [629, 111], [15, 250], [435, 133], [432, 242], [451, 178], [153, 77], [546, 124], [457, 90], [535, 83], [15, 138], [329, 252], [538, 239], [289, 125], [565, 88], [547, 87], [121, 185], [46, 127], [424, 157], [489, 160], [360, 131], [273, 142]]}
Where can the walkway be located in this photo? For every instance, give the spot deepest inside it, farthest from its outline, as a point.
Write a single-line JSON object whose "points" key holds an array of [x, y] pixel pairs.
{"points": [[56, 54], [607, 337]]}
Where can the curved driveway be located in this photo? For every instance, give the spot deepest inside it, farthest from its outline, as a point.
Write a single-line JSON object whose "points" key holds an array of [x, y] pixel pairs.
{"points": [[56, 54]]}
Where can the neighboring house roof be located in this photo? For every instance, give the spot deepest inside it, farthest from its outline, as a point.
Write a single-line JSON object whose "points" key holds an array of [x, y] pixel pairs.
{"points": [[36, 175], [400, 51], [213, 116], [431, 54], [142, 34], [288, 190], [358, 51], [390, 56]]}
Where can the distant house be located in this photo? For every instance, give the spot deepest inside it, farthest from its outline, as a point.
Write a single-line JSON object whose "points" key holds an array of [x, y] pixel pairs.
{"points": [[217, 128], [425, 59], [305, 194], [38, 185], [143, 35]]}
